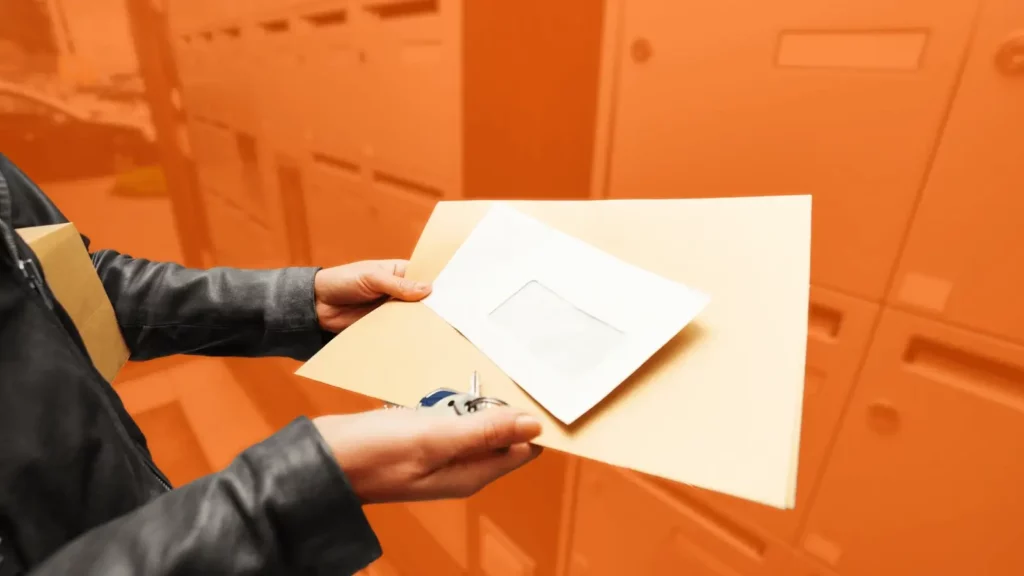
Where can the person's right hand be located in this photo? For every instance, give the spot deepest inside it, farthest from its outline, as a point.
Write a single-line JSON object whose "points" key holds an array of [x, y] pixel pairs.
{"points": [[409, 455]]}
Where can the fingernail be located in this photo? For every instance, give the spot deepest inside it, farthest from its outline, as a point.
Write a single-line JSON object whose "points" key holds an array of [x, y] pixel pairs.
{"points": [[526, 424]]}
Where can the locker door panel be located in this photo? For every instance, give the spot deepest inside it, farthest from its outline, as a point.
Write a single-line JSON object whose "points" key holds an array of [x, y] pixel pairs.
{"points": [[237, 107], [276, 45], [218, 161], [333, 75], [625, 524], [413, 70], [218, 83], [181, 15], [202, 147], [198, 84], [400, 216], [838, 334], [351, 219], [963, 259], [237, 239], [842, 100], [185, 56], [924, 477], [341, 221]]}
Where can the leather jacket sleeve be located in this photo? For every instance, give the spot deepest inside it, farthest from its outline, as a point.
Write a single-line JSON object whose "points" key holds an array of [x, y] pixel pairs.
{"points": [[282, 507], [165, 309]]}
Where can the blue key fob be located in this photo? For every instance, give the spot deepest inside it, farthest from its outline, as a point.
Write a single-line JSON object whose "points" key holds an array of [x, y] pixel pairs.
{"points": [[437, 396]]}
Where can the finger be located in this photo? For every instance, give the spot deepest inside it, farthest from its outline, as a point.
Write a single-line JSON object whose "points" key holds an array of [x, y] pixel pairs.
{"points": [[384, 282], [465, 478], [484, 431], [397, 267]]}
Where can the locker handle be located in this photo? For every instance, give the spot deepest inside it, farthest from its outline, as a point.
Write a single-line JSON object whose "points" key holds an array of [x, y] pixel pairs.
{"points": [[335, 163], [1010, 56], [404, 185], [275, 26], [991, 378], [395, 10], [641, 50], [883, 417], [824, 322], [327, 18]]}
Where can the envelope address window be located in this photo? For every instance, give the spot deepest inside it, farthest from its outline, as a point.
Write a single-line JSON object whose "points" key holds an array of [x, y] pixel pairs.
{"points": [[554, 331]]}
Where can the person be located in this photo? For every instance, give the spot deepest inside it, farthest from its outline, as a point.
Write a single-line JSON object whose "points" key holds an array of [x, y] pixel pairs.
{"points": [[79, 491]]}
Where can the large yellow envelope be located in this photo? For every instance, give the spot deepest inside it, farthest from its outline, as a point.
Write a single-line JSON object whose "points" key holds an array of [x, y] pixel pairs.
{"points": [[718, 407], [73, 281]]}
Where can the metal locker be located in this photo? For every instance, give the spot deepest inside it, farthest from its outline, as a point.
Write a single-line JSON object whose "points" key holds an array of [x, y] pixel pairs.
{"points": [[337, 213], [275, 44], [962, 261], [334, 76], [626, 524], [924, 477], [400, 213], [412, 63], [843, 100], [238, 240]]}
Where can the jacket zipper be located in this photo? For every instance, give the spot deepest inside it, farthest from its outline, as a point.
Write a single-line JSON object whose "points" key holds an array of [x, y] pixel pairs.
{"points": [[27, 266]]}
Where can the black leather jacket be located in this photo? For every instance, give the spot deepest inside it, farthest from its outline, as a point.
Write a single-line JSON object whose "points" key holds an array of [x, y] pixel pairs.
{"points": [[79, 493]]}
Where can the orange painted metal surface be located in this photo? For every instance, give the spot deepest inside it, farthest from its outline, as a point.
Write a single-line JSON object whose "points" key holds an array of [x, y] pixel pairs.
{"points": [[962, 259], [922, 478], [295, 132]]}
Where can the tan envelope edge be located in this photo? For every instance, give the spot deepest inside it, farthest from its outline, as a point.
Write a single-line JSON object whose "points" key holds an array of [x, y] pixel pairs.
{"points": [[718, 407]]}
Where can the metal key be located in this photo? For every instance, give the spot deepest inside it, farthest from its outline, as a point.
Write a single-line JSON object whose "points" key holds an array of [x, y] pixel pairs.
{"points": [[461, 403]]}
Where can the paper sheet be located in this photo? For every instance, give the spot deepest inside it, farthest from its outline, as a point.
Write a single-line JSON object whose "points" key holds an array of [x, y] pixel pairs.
{"points": [[567, 322]]}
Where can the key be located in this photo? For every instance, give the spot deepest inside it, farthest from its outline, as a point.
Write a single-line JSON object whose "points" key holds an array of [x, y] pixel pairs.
{"points": [[474, 384], [461, 403]]}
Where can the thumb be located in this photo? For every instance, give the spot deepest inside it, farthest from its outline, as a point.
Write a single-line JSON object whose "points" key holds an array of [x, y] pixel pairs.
{"points": [[384, 282], [485, 431]]}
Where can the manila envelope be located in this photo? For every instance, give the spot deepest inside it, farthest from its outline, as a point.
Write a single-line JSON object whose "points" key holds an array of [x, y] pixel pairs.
{"points": [[718, 407], [73, 280]]}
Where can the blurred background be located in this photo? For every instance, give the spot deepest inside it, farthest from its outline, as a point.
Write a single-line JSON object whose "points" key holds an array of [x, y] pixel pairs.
{"points": [[279, 132]]}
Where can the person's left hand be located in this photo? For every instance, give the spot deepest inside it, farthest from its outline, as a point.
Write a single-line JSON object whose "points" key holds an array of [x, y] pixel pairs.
{"points": [[346, 293], [416, 455]]}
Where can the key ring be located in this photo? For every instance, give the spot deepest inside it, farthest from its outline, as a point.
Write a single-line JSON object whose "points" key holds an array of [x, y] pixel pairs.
{"points": [[460, 403], [483, 402]]}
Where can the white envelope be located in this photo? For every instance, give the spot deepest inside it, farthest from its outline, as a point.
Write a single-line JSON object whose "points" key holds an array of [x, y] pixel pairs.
{"points": [[567, 322]]}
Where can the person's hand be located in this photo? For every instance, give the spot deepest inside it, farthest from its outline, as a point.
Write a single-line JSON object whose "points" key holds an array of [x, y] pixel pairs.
{"points": [[409, 455], [346, 293]]}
